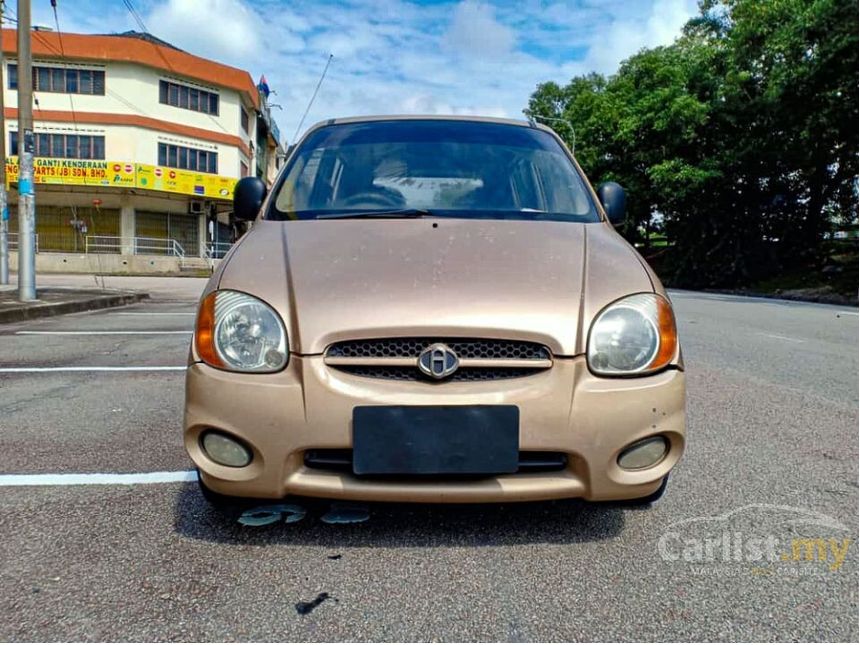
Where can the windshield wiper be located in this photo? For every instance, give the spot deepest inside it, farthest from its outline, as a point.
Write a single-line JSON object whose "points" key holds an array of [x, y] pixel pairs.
{"points": [[392, 214]]}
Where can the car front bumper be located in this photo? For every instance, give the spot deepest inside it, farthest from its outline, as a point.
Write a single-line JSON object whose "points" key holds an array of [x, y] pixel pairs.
{"points": [[309, 405]]}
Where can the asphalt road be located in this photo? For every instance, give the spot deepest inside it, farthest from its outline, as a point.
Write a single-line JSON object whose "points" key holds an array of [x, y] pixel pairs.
{"points": [[773, 453]]}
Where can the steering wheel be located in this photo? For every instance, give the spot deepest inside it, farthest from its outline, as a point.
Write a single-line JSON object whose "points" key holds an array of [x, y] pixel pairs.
{"points": [[375, 199]]}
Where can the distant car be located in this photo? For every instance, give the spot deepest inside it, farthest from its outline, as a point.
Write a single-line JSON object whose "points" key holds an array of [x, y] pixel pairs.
{"points": [[433, 310]]}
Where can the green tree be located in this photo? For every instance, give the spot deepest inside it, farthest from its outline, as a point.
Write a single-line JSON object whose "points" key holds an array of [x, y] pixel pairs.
{"points": [[741, 136]]}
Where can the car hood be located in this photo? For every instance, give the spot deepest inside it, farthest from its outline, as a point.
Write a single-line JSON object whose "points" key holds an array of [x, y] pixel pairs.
{"points": [[351, 279]]}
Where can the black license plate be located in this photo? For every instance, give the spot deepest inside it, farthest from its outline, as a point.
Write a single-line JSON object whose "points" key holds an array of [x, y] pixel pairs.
{"points": [[435, 440]]}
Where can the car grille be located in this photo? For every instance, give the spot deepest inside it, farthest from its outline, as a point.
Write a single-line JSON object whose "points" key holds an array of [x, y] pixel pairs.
{"points": [[340, 460], [464, 348], [396, 373], [479, 359]]}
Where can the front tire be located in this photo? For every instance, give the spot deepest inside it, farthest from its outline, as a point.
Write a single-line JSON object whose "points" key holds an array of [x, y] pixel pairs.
{"points": [[648, 500], [221, 503]]}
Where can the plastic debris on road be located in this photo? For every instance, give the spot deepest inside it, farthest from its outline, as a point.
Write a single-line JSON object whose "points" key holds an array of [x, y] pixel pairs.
{"points": [[265, 515], [345, 513]]}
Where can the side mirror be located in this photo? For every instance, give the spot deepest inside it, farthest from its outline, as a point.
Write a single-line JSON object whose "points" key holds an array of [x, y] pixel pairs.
{"points": [[248, 197], [612, 199]]}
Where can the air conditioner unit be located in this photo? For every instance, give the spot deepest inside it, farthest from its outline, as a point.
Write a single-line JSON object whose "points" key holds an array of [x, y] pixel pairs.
{"points": [[196, 207]]}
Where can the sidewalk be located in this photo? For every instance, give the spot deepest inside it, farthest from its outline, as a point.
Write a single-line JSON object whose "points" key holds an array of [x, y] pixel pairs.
{"points": [[53, 301], [158, 287], [67, 293]]}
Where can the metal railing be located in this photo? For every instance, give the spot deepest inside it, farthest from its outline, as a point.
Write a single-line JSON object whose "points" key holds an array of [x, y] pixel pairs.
{"points": [[217, 250], [138, 245], [112, 244], [13, 241]]}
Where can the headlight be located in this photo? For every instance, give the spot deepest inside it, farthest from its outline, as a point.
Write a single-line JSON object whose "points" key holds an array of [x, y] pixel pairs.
{"points": [[634, 335], [238, 332]]}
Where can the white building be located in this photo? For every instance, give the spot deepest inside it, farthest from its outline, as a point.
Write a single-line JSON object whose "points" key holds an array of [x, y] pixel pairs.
{"points": [[138, 146]]}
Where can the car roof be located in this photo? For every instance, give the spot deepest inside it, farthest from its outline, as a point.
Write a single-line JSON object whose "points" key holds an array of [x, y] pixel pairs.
{"points": [[430, 117]]}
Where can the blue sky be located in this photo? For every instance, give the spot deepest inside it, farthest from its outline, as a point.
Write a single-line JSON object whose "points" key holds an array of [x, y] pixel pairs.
{"points": [[394, 56]]}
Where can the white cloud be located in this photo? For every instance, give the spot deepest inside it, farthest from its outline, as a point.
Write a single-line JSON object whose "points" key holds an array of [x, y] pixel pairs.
{"points": [[624, 37], [475, 31], [229, 31], [429, 104], [468, 57]]}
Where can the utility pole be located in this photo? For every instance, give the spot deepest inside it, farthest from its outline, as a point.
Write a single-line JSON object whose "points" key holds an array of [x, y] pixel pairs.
{"points": [[4, 207], [26, 147]]}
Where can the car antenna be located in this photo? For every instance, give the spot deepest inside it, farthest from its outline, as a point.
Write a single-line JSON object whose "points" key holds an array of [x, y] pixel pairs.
{"points": [[311, 102], [535, 117]]}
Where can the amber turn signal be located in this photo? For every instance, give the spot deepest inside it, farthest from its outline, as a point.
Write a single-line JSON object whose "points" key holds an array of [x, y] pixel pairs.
{"points": [[204, 332], [668, 335]]}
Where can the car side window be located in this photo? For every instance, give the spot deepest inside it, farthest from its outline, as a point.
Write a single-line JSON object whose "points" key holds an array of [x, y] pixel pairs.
{"points": [[524, 185], [566, 196], [323, 186], [299, 183]]}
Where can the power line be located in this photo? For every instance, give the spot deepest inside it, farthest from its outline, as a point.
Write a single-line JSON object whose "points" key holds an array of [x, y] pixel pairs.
{"points": [[4, 221], [119, 97], [76, 129], [71, 98], [63, 54], [139, 21], [317, 89], [130, 6], [136, 17]]}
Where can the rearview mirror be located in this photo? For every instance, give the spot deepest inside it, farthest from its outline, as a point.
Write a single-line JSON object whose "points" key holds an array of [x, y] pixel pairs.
{"points": [[248, 198], [612, 199]]}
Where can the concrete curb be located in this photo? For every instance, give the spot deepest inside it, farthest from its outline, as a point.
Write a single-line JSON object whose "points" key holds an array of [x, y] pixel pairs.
{"points": [[824, 299], [29, 312]]}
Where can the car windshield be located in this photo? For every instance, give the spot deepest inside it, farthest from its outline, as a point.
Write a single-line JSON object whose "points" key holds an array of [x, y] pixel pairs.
{"points": [[440, 168]]}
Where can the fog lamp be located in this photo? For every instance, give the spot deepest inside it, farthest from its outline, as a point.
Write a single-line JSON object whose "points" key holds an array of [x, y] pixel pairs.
{"points": [[643, 454], [225, 450]]}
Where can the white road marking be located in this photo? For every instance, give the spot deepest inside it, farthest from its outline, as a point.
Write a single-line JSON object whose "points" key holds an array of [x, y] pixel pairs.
{"points": [[152, 313], [97, 333], [103, 479], [154, 368], [777, 336]]}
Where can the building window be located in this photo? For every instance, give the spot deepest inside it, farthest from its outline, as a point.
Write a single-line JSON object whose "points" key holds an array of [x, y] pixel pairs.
{"points": [[189, 98], [244, 119], [62, 80], [187, 158], [64, 146]]}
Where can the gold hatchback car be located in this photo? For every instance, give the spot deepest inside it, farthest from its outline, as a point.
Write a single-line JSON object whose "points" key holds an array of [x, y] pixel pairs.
{"points": [[433, 309]]}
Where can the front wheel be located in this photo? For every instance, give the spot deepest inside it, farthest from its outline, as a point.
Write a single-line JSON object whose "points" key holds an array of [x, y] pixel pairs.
{"points": [[653, 497], [221, 503]]}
